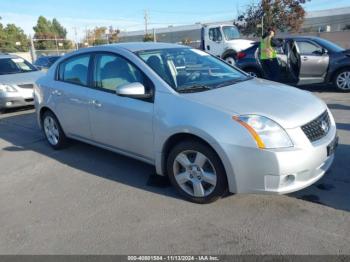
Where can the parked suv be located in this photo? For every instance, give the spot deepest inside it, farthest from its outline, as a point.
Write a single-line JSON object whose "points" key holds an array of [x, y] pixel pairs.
{"points": [[304, 61], [17, 78], [208, 126]]}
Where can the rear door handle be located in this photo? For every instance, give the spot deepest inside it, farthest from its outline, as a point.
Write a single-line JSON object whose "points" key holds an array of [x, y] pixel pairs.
{"points": [[305, 58], [96, 103]]}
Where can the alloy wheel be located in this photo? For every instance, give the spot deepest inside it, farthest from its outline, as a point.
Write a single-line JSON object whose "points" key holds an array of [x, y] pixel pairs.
{"points": [[343, 80], [51, 130], [194, 173]]}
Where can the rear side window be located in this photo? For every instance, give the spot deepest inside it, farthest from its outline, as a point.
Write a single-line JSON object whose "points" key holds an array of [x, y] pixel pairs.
{"points": [[75, 70]]}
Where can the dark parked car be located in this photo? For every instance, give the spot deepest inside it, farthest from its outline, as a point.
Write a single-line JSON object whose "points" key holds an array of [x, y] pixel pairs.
{"points": [[303, 61], [44, 62]]}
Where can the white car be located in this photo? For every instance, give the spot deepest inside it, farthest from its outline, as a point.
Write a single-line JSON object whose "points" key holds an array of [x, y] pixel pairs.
{"points": [[17, 78]]}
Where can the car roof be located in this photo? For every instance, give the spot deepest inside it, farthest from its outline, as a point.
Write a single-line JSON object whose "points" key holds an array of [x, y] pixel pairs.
{"points": [[303, 37], [140, 46]]}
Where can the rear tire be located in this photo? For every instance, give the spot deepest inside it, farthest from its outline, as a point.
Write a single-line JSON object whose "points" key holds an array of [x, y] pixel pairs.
{"points": [[196, 171], [53, 131], [342, 80], [230, 59]]}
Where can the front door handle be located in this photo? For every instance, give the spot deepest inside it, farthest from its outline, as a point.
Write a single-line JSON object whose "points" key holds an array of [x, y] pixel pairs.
{"points": [[96, 103], [208, 47]]}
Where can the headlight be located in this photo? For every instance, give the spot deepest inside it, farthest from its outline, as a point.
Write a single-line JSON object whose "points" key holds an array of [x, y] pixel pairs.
{"points": [[266, 133], [7, 88]]}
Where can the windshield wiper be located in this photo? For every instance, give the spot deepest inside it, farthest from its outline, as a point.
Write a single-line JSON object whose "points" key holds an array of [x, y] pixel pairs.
{"points": [[192, 89], [235, 81]]}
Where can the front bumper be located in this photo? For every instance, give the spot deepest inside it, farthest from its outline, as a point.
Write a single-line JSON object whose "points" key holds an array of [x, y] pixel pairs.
{"points": [[24, 97], [280, 171], [12, 102]]}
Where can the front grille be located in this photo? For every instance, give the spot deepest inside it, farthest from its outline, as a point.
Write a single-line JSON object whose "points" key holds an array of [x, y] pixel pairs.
{"points": [[317, 128], [28, 86]]}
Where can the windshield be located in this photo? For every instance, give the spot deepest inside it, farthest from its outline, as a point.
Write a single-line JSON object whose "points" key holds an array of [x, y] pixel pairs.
{"points": [[191, 69], [330, 45], [230, 32], [15, 66]]}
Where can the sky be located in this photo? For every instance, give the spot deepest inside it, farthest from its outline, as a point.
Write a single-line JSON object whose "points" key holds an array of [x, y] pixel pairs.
{"points": [[128, 15]]}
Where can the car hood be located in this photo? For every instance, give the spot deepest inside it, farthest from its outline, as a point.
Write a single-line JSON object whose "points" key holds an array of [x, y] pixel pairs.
{"points": [[21, 78], [286, 105]]}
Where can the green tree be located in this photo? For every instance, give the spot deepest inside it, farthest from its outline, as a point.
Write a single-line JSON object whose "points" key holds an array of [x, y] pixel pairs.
{"points": [[58, 29], [47, 32], [284, 15], [13, 39]]}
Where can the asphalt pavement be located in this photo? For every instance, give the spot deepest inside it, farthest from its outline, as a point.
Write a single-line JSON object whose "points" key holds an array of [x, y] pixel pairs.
{"points": [[86, 200]]}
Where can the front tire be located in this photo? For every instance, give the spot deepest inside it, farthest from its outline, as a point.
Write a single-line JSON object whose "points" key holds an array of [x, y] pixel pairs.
{"points": [[342, 80], [196, 172], [53, 131]]}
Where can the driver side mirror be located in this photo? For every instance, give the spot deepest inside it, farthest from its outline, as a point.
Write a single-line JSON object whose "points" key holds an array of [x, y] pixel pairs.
{"points": [[133, 90], [323, 51]]}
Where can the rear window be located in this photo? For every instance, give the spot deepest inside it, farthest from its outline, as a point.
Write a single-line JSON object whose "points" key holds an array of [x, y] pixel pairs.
{"points": [[15, 66], [75, 70]]}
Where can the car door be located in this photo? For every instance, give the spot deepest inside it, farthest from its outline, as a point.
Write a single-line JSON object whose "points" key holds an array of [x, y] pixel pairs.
{"points": [[313, 62], [71, 96], [121, 123], [213, 44]]}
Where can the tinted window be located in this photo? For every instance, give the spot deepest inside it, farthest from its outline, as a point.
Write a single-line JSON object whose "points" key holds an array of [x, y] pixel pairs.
{"points": [[75, 70], [112, 71], [15, 66], [215, 34], [308, 48], [42, 61]]}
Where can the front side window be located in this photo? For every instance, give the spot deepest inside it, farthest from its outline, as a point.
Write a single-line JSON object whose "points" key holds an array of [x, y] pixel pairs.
{"points": [[112, 71], [15, 66], [75, 70], [215, 34], [307, 48], [230, 32], [187, 69]]}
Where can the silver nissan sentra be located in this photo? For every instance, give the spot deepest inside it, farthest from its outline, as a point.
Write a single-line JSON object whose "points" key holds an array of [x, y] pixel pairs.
{"points": [[208, 126]]}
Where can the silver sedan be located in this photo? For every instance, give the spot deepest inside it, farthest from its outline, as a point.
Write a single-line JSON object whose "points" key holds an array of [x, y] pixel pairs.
{"points": [[208, 126]]}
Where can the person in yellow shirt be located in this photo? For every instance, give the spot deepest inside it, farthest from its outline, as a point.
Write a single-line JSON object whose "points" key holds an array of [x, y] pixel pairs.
{"points": [[268, 55]]}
